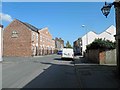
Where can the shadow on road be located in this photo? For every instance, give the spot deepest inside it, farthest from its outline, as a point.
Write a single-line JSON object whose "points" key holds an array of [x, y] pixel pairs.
{"points": [[63, 59], [56, 76], [93, 75], [57, 59], [97, 76], [45, 63], [83, 60]]}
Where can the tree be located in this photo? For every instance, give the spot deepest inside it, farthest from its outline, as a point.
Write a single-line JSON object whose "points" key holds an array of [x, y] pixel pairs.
{"points": [[101, 44], [68, 45]]}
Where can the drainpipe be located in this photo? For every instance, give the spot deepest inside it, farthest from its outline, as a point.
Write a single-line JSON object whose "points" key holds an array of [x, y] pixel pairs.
{"points": [[1, 42]]}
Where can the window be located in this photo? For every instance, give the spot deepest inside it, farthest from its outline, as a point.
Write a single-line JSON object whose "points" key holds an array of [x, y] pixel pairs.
{"points": [[40, 38], [33, 35], [37, 37], [14, 34]]}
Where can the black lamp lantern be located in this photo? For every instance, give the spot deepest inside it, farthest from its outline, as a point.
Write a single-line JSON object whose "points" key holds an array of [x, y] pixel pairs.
{"points": [[106, 9]]}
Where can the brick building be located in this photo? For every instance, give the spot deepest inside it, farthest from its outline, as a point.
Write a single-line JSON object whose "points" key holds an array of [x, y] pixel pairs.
{"points": [[46, 44], [77, 47], [23, 39], [59, 43]]}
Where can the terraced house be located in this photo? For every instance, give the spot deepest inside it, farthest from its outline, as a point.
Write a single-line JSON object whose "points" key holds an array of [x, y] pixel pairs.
{"points": [[23, 39], [47, 43]]}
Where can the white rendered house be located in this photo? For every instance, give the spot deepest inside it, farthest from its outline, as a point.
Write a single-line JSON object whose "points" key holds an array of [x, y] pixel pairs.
{"points": [[108, 34], [88, 38]]}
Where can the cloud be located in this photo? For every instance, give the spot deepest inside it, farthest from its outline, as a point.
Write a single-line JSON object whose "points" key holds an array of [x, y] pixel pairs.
{"points": [[5, 17]]}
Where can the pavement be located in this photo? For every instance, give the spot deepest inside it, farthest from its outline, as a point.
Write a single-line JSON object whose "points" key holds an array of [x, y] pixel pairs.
{"points": [[92, 75]]}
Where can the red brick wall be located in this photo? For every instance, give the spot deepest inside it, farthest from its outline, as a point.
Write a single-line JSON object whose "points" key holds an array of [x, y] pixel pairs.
{"points": [[102, 57], [45, 41], [20, 46], [47, 35], [108, 57], [93, 55]]}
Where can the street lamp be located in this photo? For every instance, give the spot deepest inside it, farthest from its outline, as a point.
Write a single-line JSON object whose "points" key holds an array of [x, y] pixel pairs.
{"points": [[86, 36], [106, 9]]}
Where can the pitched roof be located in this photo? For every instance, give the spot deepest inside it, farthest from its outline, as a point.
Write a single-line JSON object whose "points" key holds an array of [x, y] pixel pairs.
{"points": [[109, 29], [42, 29], [90, 32], [31, 27]]}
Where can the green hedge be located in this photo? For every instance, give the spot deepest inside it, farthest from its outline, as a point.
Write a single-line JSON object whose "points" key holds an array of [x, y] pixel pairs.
{"points": [[101, 44]]}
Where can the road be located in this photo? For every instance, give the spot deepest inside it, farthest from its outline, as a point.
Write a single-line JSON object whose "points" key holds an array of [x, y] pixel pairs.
{"points": [[38, 72]]}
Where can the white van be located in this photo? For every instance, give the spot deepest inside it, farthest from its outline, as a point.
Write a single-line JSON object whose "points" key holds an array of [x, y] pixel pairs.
{"points": [[67, 53]]}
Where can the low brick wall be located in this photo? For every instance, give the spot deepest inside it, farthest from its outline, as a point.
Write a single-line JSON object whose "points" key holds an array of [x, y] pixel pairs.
{"points": [[102, 57], [93, 55], [105, 57], [108, 57]]}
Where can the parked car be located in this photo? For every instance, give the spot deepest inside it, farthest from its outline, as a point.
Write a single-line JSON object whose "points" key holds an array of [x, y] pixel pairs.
{"points": [[59, 52], [67, 53]]}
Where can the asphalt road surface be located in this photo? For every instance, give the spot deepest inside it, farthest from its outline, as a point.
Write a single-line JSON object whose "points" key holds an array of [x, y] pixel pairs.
{"points": [[38, 72]]}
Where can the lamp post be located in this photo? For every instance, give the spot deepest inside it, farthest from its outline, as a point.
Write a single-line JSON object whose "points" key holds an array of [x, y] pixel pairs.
{"points": [[86, 36], [106, 10]]}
